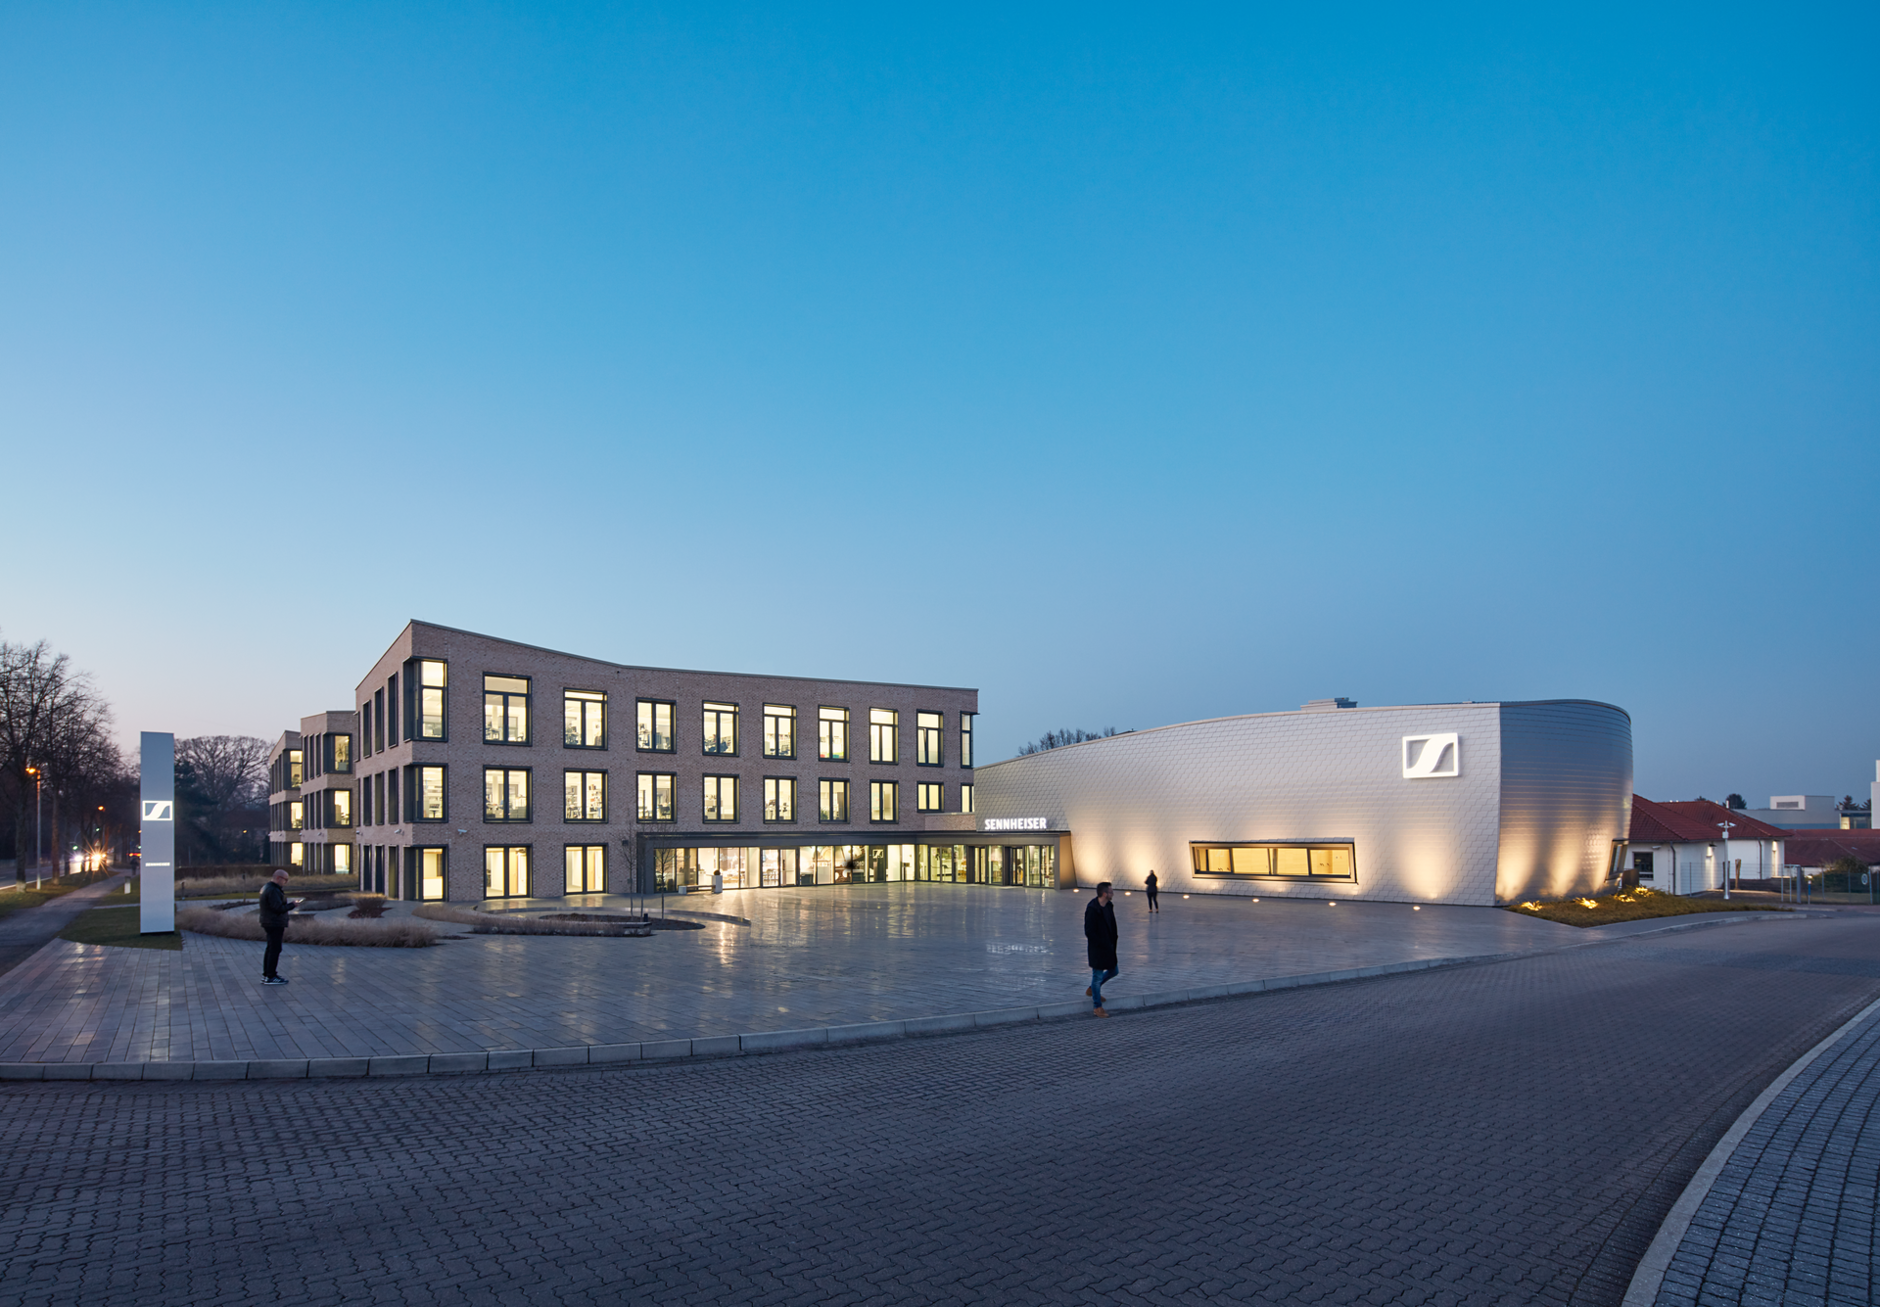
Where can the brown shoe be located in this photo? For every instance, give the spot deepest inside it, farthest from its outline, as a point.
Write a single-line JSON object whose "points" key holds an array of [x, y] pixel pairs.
{"points": [[1098, 1012], [1086, 991]]}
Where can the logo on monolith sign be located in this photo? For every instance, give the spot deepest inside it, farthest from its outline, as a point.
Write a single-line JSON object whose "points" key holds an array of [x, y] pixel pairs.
{"points": [[157, 811], [1426, 757]]}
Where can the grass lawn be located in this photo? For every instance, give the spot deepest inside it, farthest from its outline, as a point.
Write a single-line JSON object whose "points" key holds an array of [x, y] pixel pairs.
{"points": [[1632, 905], [117, 927]]}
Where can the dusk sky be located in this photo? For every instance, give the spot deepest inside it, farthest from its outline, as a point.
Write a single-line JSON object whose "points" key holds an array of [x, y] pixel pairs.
{"points": [[1133, 365]]}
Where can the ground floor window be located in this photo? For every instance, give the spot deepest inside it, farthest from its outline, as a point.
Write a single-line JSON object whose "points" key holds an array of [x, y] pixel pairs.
{"points": [[430, 874], [506, 872], [341, 858], [1329, 861], [296, 855], [587, 869], [1031, 866], [1642, 864]]}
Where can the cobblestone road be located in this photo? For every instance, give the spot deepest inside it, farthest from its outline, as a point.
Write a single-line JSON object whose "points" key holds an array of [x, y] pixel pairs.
{"points": [[1491, 1134]]}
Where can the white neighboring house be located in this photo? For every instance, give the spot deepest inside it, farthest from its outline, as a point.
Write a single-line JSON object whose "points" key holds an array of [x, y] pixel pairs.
{"points": [[1687, 848]]}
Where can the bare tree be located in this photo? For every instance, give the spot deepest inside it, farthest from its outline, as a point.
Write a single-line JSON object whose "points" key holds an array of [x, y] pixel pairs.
{"points": [[221, 782], [54, 730], [1058, 739]]}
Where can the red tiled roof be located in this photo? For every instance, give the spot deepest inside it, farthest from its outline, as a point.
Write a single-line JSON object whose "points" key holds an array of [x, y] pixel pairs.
{"points": [[1694, 821], [1818, 848]]}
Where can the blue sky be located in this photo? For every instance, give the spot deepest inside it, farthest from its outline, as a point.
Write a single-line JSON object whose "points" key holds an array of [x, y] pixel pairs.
{"points": [[1131, 365]]}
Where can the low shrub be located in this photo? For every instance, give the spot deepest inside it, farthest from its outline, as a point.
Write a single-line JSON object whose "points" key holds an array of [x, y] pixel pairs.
{"points": [[367, 907], [500, 923], [1631, 905], [398, 932]]}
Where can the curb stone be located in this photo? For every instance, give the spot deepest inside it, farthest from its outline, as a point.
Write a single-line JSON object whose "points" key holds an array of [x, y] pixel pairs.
{"points": [[770, 1041]]}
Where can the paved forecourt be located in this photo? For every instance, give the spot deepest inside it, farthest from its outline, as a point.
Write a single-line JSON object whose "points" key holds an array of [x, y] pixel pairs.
{"points": [[808, 958], [1474, 1135]]}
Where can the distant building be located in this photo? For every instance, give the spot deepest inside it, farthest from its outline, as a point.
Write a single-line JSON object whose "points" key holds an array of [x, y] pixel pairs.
{"points": [[1687, 848], [1810, 812], [1812, 852]]}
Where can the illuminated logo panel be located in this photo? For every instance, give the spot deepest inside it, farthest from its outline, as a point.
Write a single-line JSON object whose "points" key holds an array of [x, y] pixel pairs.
{"points": [[1427, 757], [157, 810]]}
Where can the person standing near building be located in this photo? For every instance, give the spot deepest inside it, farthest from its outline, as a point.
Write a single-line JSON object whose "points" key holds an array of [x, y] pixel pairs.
{"points": [[275, 905], [1100, 934], [1148, 887]]}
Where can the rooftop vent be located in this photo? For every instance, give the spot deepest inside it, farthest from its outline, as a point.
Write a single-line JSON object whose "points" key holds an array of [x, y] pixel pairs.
{"points": [[1328, 705]]}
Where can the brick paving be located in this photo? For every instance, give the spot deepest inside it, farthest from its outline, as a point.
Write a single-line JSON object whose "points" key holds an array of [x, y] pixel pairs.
{"points": [[1504, 1133], [807, 958], [1790, 1219]]}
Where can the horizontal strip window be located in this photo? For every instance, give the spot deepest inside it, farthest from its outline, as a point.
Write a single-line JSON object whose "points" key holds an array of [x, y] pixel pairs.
{"points": [[1303, 862]]}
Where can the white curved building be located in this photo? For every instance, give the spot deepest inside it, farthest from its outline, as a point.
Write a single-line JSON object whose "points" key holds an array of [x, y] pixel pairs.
{"points": [[1472, 803]]}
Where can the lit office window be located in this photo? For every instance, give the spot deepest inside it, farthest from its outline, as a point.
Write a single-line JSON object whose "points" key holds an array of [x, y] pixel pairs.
{"points": [[833, 800], [295, 772], [585, 795], [584, 719], [506, 709], [430, 874], [884, 730], [721, 798], [966, 798], [656, 791], [1301, 862], [342, 752], [832, 734], [342, 807], [721, 728], [883, 799], [655, 726], [506, 872], [966, 740], [587, 869], [296, 855], [779, 731], [927, 748], [930, 798], [779, 798], [297, 815], [342, 859], [431, 678], [429, 804], [505, 794]]}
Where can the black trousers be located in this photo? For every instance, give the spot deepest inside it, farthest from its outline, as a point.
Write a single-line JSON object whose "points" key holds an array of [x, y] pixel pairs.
{"points": [[1152, 893], [272, 958]]}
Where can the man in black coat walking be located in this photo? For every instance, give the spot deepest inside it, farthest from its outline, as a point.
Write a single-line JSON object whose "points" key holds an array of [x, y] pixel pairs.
{"points": [[275, 905], [1100, 932]]}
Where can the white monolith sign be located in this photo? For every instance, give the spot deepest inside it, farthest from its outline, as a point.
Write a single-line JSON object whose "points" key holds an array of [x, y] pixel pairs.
{"points": [[157, 774]]}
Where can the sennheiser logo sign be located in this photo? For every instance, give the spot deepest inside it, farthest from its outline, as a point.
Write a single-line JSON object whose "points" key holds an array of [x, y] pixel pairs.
{"points": [[157, 810], [1015, 823], [1429, 756]]}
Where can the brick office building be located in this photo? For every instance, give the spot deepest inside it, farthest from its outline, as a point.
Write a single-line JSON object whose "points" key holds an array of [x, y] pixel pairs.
{"points": [[485, 768], [310, 796]]}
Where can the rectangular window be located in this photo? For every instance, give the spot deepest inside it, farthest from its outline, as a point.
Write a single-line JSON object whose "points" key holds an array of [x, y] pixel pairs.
{"points": [[1301, 862], [430, 874], [779, 798], [341, 746], [927, 750], [931, 798], [833, 800], [297, 814], [506, 872], [884, 731], [391, 798], [587, 869], [432, 675], [832, 734], [721, 728], [342, 807], [721, 798], [505, 794], [295, 768], [584, 719], [506, 709], [365, 729], [655, 726], [883, 801], [296, 855], [342, 859], [966, 741], [585, 795], [966, 798], [377, 816], [656, 790], [428, 799], [378, 721], [391, 708], [779, 731]]}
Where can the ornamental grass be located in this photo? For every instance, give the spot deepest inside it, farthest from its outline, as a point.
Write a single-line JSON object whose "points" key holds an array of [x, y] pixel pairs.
{"points": [[1631, 905], [503, 923], [394, 932]]}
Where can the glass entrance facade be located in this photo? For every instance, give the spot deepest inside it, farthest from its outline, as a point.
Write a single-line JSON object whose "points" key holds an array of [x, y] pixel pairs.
{"points": [[1025, 866]]}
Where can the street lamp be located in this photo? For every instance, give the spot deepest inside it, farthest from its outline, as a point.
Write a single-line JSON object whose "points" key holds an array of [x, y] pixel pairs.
{"points": [[39, 819], [1726, 824]]}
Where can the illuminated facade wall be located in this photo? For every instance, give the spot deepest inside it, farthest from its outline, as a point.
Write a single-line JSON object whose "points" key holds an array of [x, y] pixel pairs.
{"points": [[1537, 794]]}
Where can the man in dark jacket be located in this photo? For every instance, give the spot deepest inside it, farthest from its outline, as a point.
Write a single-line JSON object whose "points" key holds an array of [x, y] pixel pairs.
{"points": [[275, 905], [1100, 931]]}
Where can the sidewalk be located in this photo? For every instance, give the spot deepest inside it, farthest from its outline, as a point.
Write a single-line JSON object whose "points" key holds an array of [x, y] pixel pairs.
{"points": [[23, 933], [1790, 1216]]}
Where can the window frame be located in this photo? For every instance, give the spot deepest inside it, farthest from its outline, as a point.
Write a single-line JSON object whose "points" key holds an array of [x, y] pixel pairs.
{"points": [[967, 721], [876, 789], [672, 725], [966, 797], [712, 713], [921, 795], [588, 699], [1197, 850], [823, 791], [528, 870], [786, 712], [641, 789], [930, 738], [709, 791], [529, 783], [416, 688], [443, 871], [528, 710], [587, 872], [582, 794], [888, 731], [824, 733], [414, 792], [773, 786]]}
